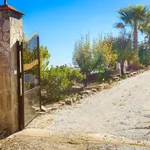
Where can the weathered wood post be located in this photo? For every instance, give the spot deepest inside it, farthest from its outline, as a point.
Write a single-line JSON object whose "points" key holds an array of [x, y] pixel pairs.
{"points": [[10, 33]]}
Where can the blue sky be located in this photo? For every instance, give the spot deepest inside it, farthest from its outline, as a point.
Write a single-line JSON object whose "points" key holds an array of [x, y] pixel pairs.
{"points": [[61, 22]]}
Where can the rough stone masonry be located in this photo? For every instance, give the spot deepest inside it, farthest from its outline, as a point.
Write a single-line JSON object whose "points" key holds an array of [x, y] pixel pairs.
{"points": [[10, 33]]}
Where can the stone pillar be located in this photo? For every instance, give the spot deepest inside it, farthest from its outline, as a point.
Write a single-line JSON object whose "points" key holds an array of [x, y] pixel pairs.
{"points": [[118, 68], [125, 66], [10, 32]]}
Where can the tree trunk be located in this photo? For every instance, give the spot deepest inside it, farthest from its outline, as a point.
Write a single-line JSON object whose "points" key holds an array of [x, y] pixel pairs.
{"points": [[149, 39], [86, 81], [135, 39], [122, 68]]}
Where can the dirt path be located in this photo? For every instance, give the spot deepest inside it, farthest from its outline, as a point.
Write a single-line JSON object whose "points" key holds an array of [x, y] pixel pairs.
{"points": [[41, 139], [123, 110], [114, 119]]}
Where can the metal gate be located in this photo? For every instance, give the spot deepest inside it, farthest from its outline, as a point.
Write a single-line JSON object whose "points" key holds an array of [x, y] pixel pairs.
{"points": [[29, 91]]}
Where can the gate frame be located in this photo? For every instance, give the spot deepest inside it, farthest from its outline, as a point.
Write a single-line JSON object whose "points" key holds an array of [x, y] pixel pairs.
{"points": [[20, 74], [20, 78], [39, 68]]}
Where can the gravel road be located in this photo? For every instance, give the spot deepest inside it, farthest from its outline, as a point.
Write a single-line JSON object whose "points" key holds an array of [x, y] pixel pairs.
{"points": [[113, 119], [123, 110]]}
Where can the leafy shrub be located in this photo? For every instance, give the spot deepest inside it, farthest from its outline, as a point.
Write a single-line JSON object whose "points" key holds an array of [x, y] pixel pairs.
{"points": [[94, 57], [104, 49], [144, 54], [122, 44], [60, 80]]}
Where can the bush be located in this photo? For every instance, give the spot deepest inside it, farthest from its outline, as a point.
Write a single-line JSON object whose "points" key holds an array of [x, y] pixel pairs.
{"points": [[95, 57], [144, 54], [60, 80]]}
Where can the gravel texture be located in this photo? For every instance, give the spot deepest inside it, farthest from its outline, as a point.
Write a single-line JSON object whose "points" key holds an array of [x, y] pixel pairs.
{"points": [[123, 110]]}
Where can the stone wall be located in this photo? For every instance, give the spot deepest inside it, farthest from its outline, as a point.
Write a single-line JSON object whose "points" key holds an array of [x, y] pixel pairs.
{"points": [[10, 32], [5, 78], [15, 35]]}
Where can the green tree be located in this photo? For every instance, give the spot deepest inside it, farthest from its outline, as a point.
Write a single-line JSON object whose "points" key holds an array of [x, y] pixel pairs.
{"points": [[44, 62], [144, 54], [103, 52], [60, 81], [145, 27], [83, 55], [122, 44], [133, 16], [93, 57]]}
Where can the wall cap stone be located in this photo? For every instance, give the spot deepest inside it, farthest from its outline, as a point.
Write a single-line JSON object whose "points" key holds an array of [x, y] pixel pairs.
{"points": [[7, 7]]}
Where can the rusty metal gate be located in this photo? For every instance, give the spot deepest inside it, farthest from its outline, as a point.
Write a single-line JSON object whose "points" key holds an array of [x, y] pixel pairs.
{"points": [[29, 91]]}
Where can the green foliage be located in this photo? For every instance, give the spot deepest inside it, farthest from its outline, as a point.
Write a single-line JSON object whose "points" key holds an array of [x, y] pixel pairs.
{"points": [[44, 62], [103, 53], [144, 27], [103, 76], [144, 54], [133, 16], [83, 55], [94, 57], [44, 57], [60, 80], [123, 46]]}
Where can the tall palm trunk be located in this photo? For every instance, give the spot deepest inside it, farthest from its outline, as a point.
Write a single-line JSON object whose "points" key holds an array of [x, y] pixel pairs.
{"points": [[122, 67], [149, 39], [135, 39]]}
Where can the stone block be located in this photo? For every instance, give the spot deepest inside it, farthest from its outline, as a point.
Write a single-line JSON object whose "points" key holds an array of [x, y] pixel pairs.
{"points": [[43, 108], [94, 90], [68, 101], [10, 33], [74, 99]]}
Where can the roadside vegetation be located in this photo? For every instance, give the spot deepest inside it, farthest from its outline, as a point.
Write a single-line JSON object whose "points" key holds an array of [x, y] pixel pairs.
{"points": [[101, 55]]}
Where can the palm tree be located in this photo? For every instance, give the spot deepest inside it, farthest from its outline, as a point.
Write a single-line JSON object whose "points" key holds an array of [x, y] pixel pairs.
{"points": [[145, 27], [123, 45], [133, 16]]}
